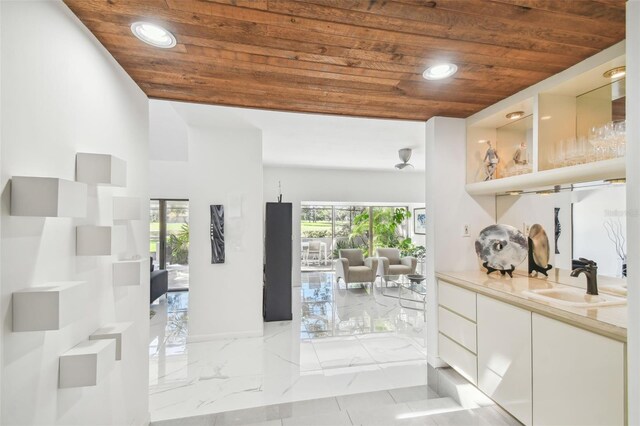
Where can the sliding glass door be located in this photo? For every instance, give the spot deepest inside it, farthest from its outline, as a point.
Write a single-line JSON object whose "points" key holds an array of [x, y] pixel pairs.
{"points": [[169, 240], [325, 229]]}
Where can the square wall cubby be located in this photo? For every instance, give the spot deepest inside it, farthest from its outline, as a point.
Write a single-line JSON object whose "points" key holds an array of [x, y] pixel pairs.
{"points": [[48, 307], [94, 240], [101, 169], [47, 197]]}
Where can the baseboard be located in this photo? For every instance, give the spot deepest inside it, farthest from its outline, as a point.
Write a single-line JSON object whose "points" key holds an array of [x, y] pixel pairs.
{"points": [[219, 336]]}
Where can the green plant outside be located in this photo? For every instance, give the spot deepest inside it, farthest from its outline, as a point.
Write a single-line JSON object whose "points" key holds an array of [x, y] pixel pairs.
{"points": [[386, 224], [178, 246]]}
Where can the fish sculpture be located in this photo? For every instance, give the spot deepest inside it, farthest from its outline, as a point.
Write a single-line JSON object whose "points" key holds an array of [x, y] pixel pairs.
{"points": [[501, 248]]}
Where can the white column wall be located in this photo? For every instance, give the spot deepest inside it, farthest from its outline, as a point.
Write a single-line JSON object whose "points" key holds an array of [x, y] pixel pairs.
{"points": [[62, 93], [449, 208], [225, 299], [633, 209]]}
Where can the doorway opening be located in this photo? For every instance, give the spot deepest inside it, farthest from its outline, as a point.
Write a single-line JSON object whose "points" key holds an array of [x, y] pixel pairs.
{"points": [[169, 240]]}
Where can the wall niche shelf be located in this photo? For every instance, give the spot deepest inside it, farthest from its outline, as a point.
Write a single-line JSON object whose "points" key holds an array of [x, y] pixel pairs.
{"points": [[101, 169], [86, 363], [570, 130], [115, 332], [47, 197], [100, 240], [126, 208], [128, 272], [601, 170], [48, 307]]}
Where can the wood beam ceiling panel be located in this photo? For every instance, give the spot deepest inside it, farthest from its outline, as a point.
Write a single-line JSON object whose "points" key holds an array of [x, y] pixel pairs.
{"points": [[352, 57]]}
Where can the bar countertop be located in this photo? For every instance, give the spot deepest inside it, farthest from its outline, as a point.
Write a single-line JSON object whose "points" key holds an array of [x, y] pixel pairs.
{"points": [[610, 321]]}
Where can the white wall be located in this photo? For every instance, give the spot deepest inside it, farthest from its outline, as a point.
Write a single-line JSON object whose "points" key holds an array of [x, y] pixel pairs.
{"points": [[168, 179], [167, 133], [63, 93], [530, 209], [449, 208], [225, 299], [330, 185]]}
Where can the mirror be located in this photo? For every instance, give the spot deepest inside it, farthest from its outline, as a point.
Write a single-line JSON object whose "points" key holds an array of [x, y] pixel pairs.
{"points": [[590, 221], [599, 107], [515, 144]]}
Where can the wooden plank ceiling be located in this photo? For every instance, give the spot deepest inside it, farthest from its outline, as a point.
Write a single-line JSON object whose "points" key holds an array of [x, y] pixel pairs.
{"points": [[352, 57]]}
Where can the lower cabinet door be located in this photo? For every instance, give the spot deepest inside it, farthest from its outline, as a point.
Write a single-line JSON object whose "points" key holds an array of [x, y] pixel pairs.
{"points": [[578, 376], [504, 356]]}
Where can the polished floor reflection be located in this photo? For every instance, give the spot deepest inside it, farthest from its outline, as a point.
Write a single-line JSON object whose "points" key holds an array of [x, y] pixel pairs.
{"points": [[340, 342]]}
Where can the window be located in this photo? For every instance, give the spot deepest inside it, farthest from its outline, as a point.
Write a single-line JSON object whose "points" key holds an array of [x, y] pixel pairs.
{"points": [[169, 240]]}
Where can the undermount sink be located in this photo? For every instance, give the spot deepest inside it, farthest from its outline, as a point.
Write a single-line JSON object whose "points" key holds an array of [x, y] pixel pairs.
{"points": [[618, 290], [575, 297]]}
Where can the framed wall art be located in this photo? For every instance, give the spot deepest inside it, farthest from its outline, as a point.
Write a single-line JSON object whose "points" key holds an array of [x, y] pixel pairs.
{"points": [[420, 221]]}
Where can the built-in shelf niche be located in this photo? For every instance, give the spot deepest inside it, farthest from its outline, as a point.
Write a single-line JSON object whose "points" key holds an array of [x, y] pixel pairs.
{"points": [[94, 240], [101, 169], [86, 363], [48, 307], [47, 197], [115, 332], [128, 272], [127, 208], [564, 108]]}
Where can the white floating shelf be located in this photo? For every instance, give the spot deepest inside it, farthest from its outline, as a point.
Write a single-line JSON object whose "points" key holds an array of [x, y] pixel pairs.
{"points": [[126, 208], [48, 307], [101, 169], [113, 331], [47, 197], [127, 272], [600, 170], [86, 363], [100, 240]]}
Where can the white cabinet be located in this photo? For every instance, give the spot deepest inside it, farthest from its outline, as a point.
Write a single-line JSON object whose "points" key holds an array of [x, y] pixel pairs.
{"points": [[504, 356], [457, 329], [578, 376]]}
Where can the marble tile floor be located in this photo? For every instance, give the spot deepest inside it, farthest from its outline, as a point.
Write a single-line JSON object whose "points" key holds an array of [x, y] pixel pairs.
{"points": [[418, 405], [340, 342]]}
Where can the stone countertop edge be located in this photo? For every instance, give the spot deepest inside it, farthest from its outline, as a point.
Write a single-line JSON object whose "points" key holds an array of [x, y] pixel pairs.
{"points": [[608, 321]]}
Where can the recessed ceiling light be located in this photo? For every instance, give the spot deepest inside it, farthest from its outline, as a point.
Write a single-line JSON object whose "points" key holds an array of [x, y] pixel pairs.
{"points": [[616, 72], [514, 192], [153, 34], [515, 115], [440, 71], [545, 117]]}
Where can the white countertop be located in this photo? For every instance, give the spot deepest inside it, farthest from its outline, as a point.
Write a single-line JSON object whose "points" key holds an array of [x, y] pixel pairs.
{"points": [[610, 321]]}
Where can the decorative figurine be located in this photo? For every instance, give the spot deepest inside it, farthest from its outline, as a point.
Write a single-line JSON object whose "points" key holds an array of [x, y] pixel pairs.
{"points": [[558, 227], [538, 250], [520, 156], [501, 248], [491, 161]]}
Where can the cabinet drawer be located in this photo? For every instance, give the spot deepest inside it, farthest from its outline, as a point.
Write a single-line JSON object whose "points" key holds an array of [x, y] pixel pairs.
{"points": [[459, 329], [457, 299], [459, 358]]}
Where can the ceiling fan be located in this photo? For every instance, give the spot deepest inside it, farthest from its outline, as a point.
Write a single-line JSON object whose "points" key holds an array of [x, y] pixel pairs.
{"points": [[405, 155]]}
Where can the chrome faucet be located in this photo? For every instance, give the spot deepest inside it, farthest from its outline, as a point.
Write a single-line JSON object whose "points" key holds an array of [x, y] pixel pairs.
{"points": [[590, 270]]}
